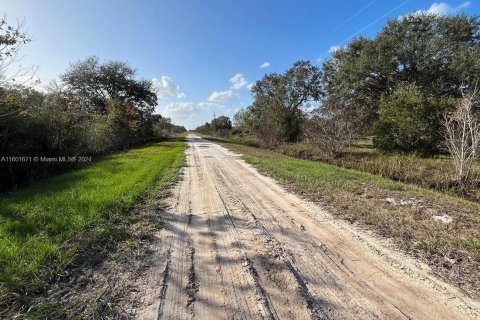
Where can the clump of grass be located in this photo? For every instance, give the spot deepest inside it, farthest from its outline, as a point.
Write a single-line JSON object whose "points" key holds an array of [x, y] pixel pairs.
{"points": [[41, 225], [470, 244]]}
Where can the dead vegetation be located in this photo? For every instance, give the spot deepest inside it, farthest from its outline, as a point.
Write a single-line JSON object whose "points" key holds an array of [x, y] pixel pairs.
{"points": [[436, 172], [444, 235], [463, 139], [331, 128]]}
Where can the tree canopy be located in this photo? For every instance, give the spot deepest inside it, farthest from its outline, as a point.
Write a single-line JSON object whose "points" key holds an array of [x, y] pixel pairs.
{"points": [[277, 112], [438, 54], [93, 83]]}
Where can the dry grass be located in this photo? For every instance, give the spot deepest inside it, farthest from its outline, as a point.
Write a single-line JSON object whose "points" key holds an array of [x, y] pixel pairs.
{"points": [[395, 210]]}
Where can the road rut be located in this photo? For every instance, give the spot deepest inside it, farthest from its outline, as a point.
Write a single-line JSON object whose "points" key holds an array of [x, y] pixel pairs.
{"points": [[238, 246]]}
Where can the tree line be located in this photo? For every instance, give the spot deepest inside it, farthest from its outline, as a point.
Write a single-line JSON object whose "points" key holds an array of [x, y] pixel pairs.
{"points": [[95, 108], [401, 87], [220, 126]]}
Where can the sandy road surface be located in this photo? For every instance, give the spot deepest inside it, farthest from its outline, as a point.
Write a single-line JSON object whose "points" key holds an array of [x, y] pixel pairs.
{"points": [[238, 246]]}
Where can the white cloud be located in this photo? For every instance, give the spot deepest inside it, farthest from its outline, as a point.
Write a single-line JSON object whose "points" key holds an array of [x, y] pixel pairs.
{"points": [[165, 87], [441, 8], [189, 109], [250, 86], [179, 109], [333, 49], [192, 114], [264, 65], [222, 95], [238, 81]]}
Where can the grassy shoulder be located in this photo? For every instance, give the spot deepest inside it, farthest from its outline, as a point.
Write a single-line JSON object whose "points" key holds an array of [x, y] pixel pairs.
{"points": [[408, 214], [436, 172], [45, 227]]}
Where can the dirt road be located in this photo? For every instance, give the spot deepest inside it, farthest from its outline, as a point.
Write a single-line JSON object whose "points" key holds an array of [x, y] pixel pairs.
{"points": [[238, 246]]}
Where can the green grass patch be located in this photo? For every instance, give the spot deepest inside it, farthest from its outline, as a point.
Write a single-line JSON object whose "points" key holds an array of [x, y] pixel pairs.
{"points": [[321, 175], [40, 225], [471, 244], [435, 172]]}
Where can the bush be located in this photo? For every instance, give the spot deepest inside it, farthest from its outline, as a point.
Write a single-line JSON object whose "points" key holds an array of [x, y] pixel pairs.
{"points": [[248, 140], [34, 124], [331, 128], [411, 121]]}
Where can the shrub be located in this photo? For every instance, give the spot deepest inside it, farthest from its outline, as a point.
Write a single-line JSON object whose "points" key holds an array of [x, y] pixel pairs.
{"points": [[411, 121]]}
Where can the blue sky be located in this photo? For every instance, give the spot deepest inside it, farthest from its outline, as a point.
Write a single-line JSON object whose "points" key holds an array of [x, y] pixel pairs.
{"points": [[202, 55]]}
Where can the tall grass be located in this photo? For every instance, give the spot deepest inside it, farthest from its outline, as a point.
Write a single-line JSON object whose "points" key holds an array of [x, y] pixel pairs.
{"points": [[39, 225]]}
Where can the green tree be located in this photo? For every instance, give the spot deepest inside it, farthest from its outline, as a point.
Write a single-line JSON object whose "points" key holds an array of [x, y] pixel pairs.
{"points": [[204, 128], [239, 122], [411, 121], [439, 54], [280, 101], [93, 83], [163, 126], [221, 123], [125, 121]]}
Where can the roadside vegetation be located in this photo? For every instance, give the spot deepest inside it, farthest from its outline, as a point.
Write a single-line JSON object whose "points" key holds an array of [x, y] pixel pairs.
{"points": [[434, 172], [96, 108], [44, 228], [411, 92], [439, 228], [392, 124], [78, 158]]}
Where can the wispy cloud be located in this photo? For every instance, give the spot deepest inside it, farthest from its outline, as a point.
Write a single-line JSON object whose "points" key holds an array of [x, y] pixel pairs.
{"points": [[238, 81], [179, 109], [188, 110], [442, 8], [191, 113], [165, 87], [221, 95], [264, 65], [333, 49]]}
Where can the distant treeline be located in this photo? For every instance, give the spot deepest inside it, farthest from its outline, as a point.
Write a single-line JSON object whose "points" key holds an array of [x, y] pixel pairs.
{"points": [[413, 88], [220, 126], [96, 108]]}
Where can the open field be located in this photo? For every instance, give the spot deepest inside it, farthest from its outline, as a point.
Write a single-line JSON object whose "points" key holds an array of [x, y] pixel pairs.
{"points": [[47, 226], [405, 213]]}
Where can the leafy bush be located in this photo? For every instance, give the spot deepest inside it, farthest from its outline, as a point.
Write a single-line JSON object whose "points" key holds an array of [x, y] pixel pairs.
{"points": [[411, 121]]}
